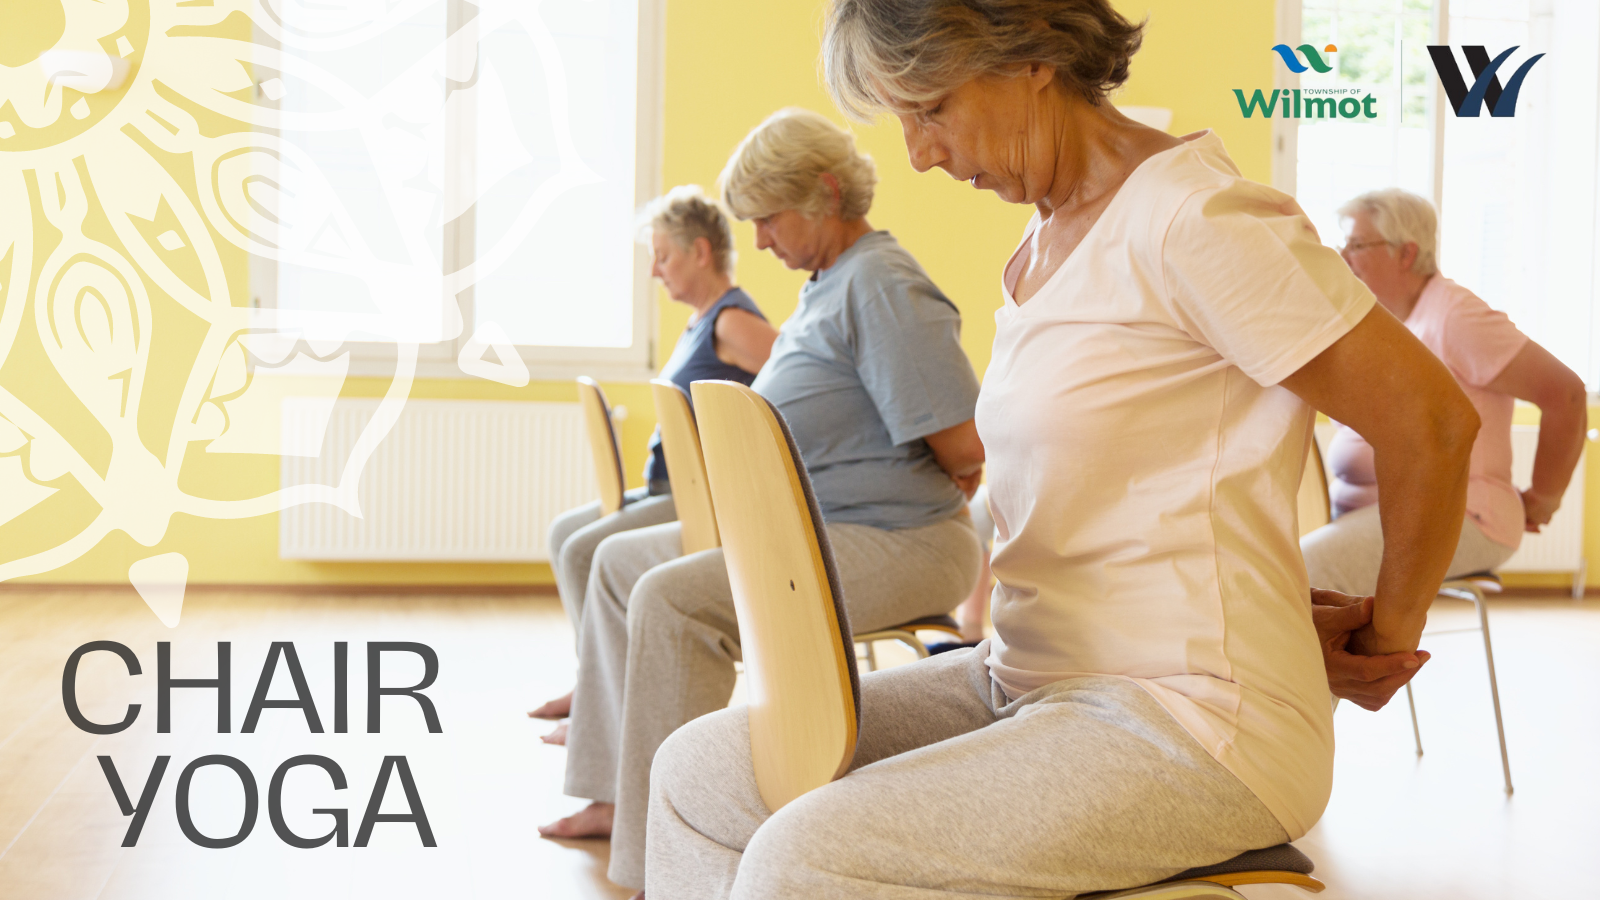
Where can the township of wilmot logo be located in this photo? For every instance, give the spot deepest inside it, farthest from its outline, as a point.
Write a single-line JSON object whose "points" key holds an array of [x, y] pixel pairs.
{"points": [[1308, 103], [1313, 59], [1486, 90]]}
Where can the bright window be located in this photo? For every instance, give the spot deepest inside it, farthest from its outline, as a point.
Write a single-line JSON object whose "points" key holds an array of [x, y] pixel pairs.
{"points": [[444, 155], [1516, 193]]}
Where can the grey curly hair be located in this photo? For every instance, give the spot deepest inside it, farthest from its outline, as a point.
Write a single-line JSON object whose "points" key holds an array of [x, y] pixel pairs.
{"points": [[892, 55], [684, 214]]}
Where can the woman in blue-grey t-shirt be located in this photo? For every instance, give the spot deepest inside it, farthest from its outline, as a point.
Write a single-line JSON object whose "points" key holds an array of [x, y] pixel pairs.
{"points": [[727, 338], [870, 375]]}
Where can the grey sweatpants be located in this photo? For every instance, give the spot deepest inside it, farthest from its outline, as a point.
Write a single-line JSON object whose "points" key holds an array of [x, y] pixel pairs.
{"points": [[1345, 554], [1082, 785], [576, 533], [659, 640]]}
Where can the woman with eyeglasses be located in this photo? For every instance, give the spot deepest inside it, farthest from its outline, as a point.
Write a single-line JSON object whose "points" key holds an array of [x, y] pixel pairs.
{"points": [[1390, 244]]}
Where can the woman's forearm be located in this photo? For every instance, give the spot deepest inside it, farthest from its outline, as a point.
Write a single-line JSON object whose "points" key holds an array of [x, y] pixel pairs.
{"points": [[1381, 381], [1422, 490], [1561, 428]]}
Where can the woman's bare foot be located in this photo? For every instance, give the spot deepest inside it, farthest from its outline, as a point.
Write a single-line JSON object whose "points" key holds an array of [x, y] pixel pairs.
{"points": [[593, 821], [557, 737], [559, 708]]}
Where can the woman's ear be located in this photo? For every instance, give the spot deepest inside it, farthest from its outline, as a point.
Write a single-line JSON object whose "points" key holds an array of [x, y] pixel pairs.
{"points": [[836, 205], [1408, 255], [702, 252], [1041, 75]]}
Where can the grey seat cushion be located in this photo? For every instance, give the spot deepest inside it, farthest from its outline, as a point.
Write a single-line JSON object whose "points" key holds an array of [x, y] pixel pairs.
{"points": [[942, 623], [1282, 858]]}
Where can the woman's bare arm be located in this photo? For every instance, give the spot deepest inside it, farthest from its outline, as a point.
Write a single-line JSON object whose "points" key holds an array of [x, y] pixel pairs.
{"points": [[1381, 381], [743, 339], [959, 451], [1538, 377]]}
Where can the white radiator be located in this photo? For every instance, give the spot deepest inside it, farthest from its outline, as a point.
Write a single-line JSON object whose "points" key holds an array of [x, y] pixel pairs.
{"points": [[1559, 546], [455, 481]]}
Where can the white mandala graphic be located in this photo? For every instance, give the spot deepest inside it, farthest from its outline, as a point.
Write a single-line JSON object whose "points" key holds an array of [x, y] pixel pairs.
{"points": [[233, 129]]}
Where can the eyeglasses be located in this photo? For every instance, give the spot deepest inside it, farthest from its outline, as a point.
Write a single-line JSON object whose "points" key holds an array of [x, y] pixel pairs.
{"points": [[1348, 249]]}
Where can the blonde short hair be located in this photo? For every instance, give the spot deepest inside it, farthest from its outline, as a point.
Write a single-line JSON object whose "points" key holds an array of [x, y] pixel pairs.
{"points": [[779, 165], [1401, 218], [686, 214], [896, 54]]}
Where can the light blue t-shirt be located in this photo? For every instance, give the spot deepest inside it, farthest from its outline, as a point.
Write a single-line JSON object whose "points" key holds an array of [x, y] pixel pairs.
{"points": [[868, 365]]}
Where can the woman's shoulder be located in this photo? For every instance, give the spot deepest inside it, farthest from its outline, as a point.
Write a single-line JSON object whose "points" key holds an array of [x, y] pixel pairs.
{"points": [[883, 269], [1461, 317], [1448, 297], [738, 298], [1198, 180]]}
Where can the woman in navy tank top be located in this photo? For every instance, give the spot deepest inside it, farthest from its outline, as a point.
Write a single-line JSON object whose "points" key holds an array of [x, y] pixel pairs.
{"points": [[727, 338]]}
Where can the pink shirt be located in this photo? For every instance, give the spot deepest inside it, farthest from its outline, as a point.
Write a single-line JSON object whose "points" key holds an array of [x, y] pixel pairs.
{"points": [[1476, 344], [1144, 466]]}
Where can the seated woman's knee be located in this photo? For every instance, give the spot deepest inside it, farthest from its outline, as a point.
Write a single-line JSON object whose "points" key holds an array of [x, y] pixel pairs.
{"points": [[795, 842], [716, 743]]}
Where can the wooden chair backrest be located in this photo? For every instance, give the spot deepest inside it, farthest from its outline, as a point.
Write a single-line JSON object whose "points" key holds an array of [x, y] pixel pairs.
{"points": [[686, 467], [799, 659], [1316, 508], [602, 445]]}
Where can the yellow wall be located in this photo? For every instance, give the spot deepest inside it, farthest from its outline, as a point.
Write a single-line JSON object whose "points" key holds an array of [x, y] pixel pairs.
{"points": [[729, 63]]}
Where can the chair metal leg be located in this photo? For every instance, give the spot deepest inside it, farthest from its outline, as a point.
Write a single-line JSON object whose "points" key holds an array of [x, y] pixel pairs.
{"points": [[1494, 687], [872, 656], [916, 645], [1416, 732]]}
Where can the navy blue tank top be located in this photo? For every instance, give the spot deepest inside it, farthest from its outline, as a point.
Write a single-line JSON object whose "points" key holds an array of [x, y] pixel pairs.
{"points": [[695, 359]]}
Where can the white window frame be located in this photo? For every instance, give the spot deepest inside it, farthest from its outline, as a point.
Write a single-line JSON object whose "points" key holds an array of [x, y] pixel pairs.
{"points": [[636, 362], [1286, 131]]}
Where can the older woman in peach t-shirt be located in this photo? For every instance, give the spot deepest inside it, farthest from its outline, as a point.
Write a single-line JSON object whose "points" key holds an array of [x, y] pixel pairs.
{"points": [[1390, 245]]}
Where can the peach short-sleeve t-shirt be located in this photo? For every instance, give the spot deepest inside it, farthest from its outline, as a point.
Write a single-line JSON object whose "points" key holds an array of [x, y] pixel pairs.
{"points": [[1476, 343], [1144, 466]]}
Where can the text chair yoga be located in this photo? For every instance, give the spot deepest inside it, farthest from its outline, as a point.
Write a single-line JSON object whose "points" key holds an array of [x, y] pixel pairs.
{"points": [[1316, 511], [602, 445], [805, 694], [687, 469]]}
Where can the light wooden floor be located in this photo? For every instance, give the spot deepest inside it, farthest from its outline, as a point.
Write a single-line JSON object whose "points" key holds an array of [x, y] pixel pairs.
{"points": [[1398, 827]]}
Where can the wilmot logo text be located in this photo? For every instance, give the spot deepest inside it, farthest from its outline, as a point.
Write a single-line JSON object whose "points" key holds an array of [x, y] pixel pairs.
{"points": [[1308, 103]]}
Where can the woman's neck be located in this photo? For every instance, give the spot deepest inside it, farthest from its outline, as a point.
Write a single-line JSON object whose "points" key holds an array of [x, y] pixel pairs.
{"points": [[840, 239], [1404, 298], [1097, 149], [706, 294]]}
